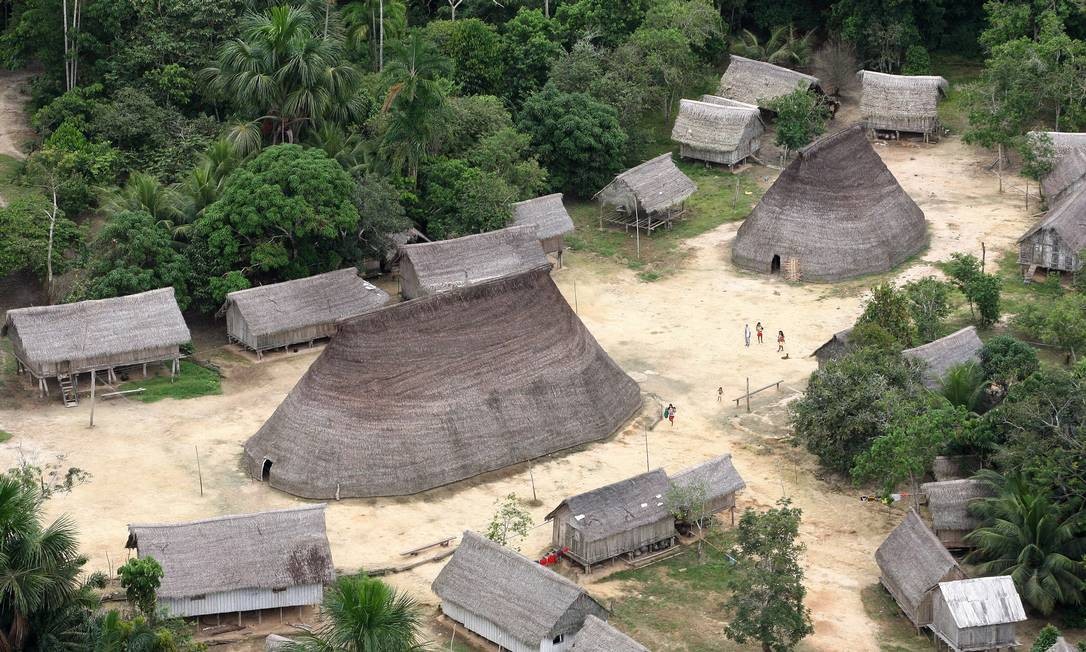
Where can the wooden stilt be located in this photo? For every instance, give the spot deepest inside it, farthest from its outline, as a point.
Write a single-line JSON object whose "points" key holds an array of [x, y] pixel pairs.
{"points": [[144, 369]]}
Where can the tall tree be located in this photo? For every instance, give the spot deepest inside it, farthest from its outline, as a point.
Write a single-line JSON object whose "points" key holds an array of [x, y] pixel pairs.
{"points": [[415, 102], [35, 237]]}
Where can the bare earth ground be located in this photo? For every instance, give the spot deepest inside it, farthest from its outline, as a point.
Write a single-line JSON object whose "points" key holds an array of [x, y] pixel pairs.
{"points": [[681, 337]]}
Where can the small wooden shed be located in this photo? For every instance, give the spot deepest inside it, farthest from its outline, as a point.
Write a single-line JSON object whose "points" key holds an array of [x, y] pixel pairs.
{"points": [[948, 502], [433, 267], [647, 196], [244, 562], [624, 518], [912, 561], [549, 217], [719, 478], [759, 83], [1057, 241], [599, 636], [719, 131], [834, 348], [511, 600], [977, 615], [66, 340], [303, 310], [939, 356], [901, 103]]}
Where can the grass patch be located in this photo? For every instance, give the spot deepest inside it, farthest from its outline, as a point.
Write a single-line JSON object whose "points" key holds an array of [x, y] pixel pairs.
{"points": [[9, 171], [193, 381], [895, 633], [957, 70], [5, 436], [714, 203]]}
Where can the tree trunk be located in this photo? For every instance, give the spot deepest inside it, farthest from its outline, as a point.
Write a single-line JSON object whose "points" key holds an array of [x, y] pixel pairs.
{"points": [[999, 166], [547, 8], [49, 251], [381, 42]]}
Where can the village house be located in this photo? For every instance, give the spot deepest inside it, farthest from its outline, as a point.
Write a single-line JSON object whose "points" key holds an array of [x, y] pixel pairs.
{"points": [[977, 615]]}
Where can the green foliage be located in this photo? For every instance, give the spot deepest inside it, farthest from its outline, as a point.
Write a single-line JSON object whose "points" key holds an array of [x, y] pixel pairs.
{"points": [[1005, 360], [192, 382], [963, 385], [981, 290], [48, 480], [476, 51], [1046, 638], [917, 61], [873, 336], [76, 107], [891, 309], [613, 77], [666, 57], [24, 237], [577, 139], [608, 21], [71, 164], [929, 305], [530, 44], [851, 401], [1060, 322], [766, 606], [801, 117], [463, 199], [510, 520], [113, 632], [364, 614], [882, 33], [784, 47], [688, 503], [380, 213], [698, 21], [1038, 156], [140, 579]]}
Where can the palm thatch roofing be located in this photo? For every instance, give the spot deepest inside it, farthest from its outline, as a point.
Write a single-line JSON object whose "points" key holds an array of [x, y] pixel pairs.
{"points": [[983, 601], [428, 392], [1063, 142], [319, 299], [836, 209], [948, 502], [447, 264], [839, 340], [1067, 174], [1061, 645], [718, 475], [618, 507], [547, 213], [100, 328], [1067, 219], [913, 560], [723, 101], [715, 127], [598, 636], [758, 82], [907, 97], [525, 599], [655, 186], [267, 550], [939, 356]]}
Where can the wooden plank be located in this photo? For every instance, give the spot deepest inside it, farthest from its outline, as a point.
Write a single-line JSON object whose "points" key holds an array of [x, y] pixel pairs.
{"points": [[122, 393], [444, 543], [760, 389], [400, 568]]}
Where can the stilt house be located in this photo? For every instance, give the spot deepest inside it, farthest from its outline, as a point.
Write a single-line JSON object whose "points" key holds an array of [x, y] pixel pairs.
{"points": [[759, 83], [510, 600], [939, 356], [912, 561], [901, 103], [549, 217], [1057, 241], [718, 477], [948, 502], [647, 196], [977, 615], [724, 132], [599, 636]]}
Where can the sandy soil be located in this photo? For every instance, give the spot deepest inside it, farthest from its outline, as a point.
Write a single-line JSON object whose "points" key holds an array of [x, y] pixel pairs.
{"points": [[681, 337]]}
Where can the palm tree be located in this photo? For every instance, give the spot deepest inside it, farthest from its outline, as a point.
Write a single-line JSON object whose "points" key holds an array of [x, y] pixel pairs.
{"points": [[145, 193], [783, 47], [285, 76], [205, 182], [364, 615], [964, 385], [369, 22], [1038, 543], [415, 102]]}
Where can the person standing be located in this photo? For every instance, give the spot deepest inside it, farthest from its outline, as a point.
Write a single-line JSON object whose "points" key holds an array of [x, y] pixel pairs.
{"points": [[780, 341], [746, 334], [719, 394], [671, 414], [758, 328]]}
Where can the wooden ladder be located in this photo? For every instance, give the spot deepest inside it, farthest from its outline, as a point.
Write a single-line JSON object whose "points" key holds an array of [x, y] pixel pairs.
{"points": [[791, 269], [67, 391]]}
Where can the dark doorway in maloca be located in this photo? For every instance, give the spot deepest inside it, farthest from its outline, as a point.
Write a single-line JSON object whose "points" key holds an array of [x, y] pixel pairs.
{"points": [[265, 470], [775, 266]]}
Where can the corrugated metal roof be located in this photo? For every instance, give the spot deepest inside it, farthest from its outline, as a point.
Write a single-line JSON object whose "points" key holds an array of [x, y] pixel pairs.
{"points": [[983, 601]]}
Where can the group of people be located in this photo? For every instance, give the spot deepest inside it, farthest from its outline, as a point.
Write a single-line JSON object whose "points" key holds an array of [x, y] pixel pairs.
{"points": [[760, 331]]}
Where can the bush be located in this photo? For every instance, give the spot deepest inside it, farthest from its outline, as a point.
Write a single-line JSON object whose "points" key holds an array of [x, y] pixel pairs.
{"points": [[917, 61]]}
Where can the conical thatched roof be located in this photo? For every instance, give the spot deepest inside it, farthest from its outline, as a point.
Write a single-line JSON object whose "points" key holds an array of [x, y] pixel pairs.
{"points": [[432, 391], [904, 97], [948, 502], [718, 475], [1067, 174], [620, 506], [656, 185], [1067, 218], [913, 561], [320, 299], [939, 356], [598, 636], [983, 601], [103, 328], [758, 82], [267, 550], [525, 599], [446, 264], [715, 127], [838, 210], [547, 214]]}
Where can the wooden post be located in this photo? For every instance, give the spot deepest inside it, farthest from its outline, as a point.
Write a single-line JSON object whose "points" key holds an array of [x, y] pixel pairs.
{"points": [[637, 227], [735, 198], [983, 255], [144, 369], [531, 476], [576, 307], [647, 450], [199, 471], [748, 394], [94, 378]]}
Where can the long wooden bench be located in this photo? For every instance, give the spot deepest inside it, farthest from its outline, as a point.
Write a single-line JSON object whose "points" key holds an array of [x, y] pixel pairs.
{"points": [[444, 543]]}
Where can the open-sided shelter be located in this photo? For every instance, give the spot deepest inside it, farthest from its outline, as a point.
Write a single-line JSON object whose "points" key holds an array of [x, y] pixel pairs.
{"points": [[237, 563], [511, 600], [1056, 242], [948, 502], [428, 392], [758, 82], [717, 132], [719, 478], [303, 310], [939, 356], [977, 615], [68, 339], [647, 196], [901, 103], [833, 348], [429, 268], [912, 561], [599, 636], [549, 217], [836, 212], [624, 518]]}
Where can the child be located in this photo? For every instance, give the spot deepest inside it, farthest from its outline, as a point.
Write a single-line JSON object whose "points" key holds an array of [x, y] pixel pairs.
{"points": [[780, 341], [758, 328], [670, 413], [719, 394]]}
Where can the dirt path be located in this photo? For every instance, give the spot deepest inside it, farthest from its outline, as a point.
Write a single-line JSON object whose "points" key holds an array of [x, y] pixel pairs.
{"points": [[680, 337]]}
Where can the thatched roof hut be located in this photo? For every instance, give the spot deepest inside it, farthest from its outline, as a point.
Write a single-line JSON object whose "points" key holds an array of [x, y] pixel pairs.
{"points": [[758, 82], [1067, 175], [242, 562], [977, 614], [911, 562], [1056, 242], [959, 347], [954, 467], [549, 217], [833, 348], [717, 132], [948, 502], [102, 334], [511, 600], [621, 518], [424, 393], [907, 103], [303, 310], [599, 636], [648, 195], [1063, 142], [720, 479], [433, 267], [836, 212]]}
